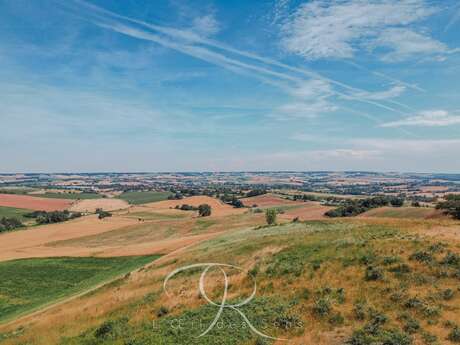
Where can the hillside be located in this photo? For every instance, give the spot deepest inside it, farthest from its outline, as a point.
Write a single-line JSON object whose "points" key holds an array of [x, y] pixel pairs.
{"points": [[321, 282]]}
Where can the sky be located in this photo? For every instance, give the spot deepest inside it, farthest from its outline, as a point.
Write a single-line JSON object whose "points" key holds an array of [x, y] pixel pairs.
{"points": [[208, 85]]}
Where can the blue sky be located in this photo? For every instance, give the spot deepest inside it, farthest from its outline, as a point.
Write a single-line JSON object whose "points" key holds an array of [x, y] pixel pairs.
{"points": [[229, 85]]}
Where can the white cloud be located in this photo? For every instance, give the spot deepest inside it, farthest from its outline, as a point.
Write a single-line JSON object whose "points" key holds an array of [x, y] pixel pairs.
{"points": [[206, 25], [337, 28], [403, 44], [311, 100], [431, 118], [393, 92]]}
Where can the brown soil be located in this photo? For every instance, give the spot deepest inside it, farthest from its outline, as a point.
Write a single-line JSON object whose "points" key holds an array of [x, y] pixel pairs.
{"points": [[91, 205], [34, 203], [311, 211], [218, 207]]}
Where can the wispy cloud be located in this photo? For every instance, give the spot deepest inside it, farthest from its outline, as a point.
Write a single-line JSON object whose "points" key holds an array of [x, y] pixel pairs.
{"points": [[206, 25], [338, 29], [404, 44], [189, 42], [431, 118], [393, 92]]}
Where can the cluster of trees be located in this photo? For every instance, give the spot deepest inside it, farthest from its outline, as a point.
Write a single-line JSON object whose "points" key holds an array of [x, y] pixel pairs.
{"points": [[8, 224], [255, 192], [306, 197], [354, 207], [204, 210], [102, 214], [451, 206], [43, 217], [186, 207]]}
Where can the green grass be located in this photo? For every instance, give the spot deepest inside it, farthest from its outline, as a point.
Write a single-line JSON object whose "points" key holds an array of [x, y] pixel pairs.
{"points": [[29, 284], [401, 212], [11, 212], [72, 196], [137, 198], [267, 314], [155, 216]]}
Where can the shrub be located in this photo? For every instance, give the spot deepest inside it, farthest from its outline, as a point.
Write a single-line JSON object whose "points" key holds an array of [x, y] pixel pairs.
{"points": [[337, 320], [322, 307], [454, 335], [359, 311], [422, 256], [411, 326], [8, 224], [373, 273], [448, 294], [270, 216], [204, 210], [162, 311], [103, 214], [451, 259]]}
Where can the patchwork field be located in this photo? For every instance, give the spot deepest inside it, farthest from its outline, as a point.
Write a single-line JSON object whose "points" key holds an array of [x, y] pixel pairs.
{"points": [[34, 203], [268, 200], [218, 207]]}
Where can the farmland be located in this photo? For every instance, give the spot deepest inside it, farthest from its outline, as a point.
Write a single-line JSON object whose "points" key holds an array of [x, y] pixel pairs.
{"points": [[136, 198], [52, 279], [388, 274], [33, 203], [12, 212]]}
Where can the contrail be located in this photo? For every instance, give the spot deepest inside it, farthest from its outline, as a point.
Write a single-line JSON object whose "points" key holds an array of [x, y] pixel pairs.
{"points": [[191, 37]]}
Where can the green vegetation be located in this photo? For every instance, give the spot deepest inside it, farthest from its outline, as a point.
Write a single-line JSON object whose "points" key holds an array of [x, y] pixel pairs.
{"points": [[270, 216], [271, 315], [354, 207], [70, 195], [204, 210], [9, 224], [136, 198], [11, 212], [33, 283], [451, 206], [43, 217], [102, 214]]}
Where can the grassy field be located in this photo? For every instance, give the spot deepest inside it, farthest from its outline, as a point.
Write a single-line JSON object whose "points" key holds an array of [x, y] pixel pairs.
{"points": [[137, 198], [11, 212], [402, 212], [33, 283], [342, 281]]}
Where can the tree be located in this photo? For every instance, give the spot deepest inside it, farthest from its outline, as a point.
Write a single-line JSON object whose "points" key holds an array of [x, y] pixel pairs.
{"points": [[204, 210], [397, 202], [270, 216]]}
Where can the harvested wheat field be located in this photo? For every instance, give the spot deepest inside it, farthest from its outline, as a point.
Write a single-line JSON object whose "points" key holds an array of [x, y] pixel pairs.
{"points": [[91, 205], [30, 243], [269, 200], [218, 207], [311, 211], [34, 203]]}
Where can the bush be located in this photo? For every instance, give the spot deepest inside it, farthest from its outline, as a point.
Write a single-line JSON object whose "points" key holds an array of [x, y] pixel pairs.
{"points": [[454, 335], [8, 224], [322, 307], [373, 273], [103, 214], [270, 216], [204, 210], [411, 326]]}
